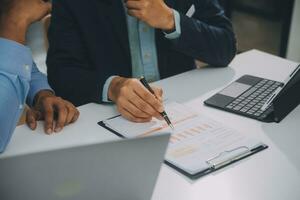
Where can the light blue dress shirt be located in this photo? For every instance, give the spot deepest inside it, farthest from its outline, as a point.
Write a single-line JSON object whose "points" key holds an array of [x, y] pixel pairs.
{"points": [[143, 50], [20, 80]]}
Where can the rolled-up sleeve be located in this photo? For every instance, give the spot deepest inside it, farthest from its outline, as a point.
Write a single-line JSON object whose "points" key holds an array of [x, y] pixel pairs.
{"points": [[38, 83]]}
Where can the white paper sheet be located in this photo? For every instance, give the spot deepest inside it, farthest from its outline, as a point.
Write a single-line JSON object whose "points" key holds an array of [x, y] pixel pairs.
{"points": [[195, 140]]}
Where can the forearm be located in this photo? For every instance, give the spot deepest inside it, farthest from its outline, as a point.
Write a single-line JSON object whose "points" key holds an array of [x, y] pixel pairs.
{"points": [[38, 85]]}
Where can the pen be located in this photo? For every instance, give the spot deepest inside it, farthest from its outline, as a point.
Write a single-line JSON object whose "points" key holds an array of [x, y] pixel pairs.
{"points": [[163, 114]]}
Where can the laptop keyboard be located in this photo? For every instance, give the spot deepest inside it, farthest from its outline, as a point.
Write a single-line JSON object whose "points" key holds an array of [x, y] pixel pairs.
{"points": [[254, 98]]}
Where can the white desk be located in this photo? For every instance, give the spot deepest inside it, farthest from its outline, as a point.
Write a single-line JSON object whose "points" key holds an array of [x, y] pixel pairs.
{"points": [[273, 174]]}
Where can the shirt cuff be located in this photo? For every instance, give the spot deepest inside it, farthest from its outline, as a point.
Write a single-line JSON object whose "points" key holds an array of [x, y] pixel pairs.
{"points": [[176, 34], [38, 83], [15, 59], [105, 90]]}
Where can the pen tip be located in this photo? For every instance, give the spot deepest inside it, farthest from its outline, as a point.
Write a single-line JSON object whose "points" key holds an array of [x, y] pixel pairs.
{"points": [[172, 127]]}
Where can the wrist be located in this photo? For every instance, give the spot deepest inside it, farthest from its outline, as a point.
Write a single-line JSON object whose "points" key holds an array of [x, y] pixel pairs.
{"points": [[113, 87], [169, 20], [40, 96]]}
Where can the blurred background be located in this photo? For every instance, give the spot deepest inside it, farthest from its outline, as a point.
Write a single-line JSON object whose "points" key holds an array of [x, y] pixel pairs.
{"points": [[268, 25], [272, 26]]}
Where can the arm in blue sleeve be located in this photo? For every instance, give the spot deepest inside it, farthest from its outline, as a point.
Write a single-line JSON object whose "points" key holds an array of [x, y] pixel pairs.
{"points": [[15, 74], [38, 83]]}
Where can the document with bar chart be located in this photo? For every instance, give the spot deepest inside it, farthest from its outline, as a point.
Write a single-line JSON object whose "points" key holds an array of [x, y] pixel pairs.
{"points": [[198, 144]]}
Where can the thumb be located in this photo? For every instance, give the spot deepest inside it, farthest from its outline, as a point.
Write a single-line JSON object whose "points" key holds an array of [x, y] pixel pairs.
{"points": [[46, 8]]}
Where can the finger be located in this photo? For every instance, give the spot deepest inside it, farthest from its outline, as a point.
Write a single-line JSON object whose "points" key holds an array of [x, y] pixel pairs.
{"points": [[129, 95], [135, 5], [62, 116], [134, 13], [144, 106], [130, 0], [127, 115], [49, 115], [31, 119], [158, 93], [141, 104], [148, 97], [159, 96], [45, 9], [76, 116], [135, 111], [71, 112]]}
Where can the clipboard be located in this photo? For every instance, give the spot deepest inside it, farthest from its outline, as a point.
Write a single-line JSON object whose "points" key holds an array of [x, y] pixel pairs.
{"points": [[215, 163], [213, 167]]}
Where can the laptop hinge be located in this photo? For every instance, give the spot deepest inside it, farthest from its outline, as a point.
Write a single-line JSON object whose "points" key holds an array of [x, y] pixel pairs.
{"points": [[268, 115], [283, 104]]}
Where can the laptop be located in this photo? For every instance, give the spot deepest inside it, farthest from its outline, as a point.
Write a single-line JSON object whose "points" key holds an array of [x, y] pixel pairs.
{"points": [[125, 170], [259, 98]]}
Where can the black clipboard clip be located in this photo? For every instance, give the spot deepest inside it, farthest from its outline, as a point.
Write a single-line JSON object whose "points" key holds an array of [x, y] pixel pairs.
{"points": [[217, 162]]}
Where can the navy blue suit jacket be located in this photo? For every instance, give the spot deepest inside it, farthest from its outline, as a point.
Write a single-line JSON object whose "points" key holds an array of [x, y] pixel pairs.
{"points": [[88, 42]]}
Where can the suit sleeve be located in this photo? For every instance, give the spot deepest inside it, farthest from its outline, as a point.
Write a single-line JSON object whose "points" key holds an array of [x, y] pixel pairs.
{"points": [[69, 72], [207, 35]]}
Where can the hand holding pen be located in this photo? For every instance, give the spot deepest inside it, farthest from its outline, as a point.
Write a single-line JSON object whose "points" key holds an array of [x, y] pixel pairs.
{"points": [[163, 113], [134, 101]]}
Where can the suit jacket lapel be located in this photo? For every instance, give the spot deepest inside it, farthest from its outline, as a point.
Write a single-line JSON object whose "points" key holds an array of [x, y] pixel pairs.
{"points": [[117, 18], [116, 15]]}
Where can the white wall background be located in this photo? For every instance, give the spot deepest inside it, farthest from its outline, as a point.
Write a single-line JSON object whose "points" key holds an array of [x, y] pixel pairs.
{"points": [[36, 42], [293, 52]]}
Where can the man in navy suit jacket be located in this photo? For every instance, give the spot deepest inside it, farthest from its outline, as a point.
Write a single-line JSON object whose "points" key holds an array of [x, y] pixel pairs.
{"points": [[98, 48]]}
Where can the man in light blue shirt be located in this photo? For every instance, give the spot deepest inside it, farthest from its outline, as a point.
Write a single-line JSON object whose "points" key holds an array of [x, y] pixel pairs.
{"points": [[20, 80], [144, 58]]}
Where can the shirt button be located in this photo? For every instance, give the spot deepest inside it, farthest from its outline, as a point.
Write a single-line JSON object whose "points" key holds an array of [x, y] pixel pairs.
{"points": [[26, 67], [147, 55]]}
